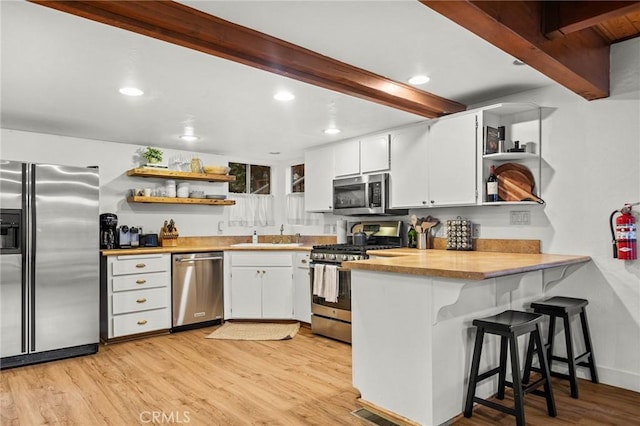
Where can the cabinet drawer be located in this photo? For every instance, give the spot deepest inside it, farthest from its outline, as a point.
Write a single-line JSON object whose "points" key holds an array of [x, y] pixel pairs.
{"points": [[141, 322], [140, 264], [262, 259], [140, 300], [140, 281]]}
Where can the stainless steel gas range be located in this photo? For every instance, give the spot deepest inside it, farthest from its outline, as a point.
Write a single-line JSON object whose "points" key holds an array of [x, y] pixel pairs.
{"points": [[331, 286]]}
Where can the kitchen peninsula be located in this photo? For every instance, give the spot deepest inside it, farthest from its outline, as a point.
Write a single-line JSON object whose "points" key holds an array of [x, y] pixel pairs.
{"points": [[411, 319]]}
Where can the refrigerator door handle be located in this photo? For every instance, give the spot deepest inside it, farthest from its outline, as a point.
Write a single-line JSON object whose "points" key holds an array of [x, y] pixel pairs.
{"points": [[30, 266]]}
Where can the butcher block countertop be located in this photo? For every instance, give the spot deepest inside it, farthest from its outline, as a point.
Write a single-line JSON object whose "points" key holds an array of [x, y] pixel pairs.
{"points": [[470, 265], [228, 243], [201, 249]]}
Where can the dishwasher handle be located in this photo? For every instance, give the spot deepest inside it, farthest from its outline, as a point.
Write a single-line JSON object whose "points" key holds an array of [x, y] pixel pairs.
{"points": [[198, 259]]}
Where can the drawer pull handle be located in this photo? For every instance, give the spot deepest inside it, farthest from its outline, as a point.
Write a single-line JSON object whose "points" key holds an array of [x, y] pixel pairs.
{"points": [[141, 281], [140, 265], [142, 322], [141, 300]]}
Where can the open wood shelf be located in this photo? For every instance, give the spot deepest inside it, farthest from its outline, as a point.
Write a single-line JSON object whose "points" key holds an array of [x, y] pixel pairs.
{"points": [[174, 200], [175, 174]]}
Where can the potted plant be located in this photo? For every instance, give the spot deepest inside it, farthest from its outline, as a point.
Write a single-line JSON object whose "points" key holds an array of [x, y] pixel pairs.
{"points": [[152, 155]]}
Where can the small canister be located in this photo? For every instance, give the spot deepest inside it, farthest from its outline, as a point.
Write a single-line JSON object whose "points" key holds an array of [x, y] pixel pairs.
{"points": [[170, 188], [421, 242]]}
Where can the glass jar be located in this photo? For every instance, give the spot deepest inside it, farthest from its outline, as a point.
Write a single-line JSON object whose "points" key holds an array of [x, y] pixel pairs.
{"points": [[196, 165]]}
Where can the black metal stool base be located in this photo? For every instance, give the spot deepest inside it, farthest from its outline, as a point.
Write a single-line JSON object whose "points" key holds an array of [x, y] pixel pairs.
{"points": [[509, 325], [566, 308]]}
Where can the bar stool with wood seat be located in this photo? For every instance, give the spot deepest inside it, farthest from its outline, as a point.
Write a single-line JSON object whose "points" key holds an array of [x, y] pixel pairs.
{"points": [[509, 325], [566, 308]]}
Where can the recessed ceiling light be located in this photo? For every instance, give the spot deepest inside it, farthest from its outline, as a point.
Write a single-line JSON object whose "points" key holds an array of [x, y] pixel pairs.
{"points": [[189, 138], [332, 131], [284, 96], [131, 91], [419, 79]]}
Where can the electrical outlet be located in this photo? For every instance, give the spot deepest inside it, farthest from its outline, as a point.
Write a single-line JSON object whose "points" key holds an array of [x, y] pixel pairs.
{"points": [[520, 217], [476, 230]]}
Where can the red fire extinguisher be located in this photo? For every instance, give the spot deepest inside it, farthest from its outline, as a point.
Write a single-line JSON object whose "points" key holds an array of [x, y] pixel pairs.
{"points": [[625, 245]]}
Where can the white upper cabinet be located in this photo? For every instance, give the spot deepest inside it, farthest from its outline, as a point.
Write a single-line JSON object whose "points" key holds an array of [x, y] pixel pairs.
{"points": [[452, 158], [408, 176], [433, 164], [369, 154], [319, 174], [374, 153], [346, 155]]}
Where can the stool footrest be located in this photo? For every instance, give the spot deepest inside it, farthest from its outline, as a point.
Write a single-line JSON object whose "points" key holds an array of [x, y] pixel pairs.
{"points": [[495, 406], [529, 387], [553, 373], [580, 359], [488, 374]]}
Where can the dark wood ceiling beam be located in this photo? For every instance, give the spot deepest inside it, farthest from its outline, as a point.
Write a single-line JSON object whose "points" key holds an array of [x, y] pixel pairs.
{"points": [[179, 24], [563, 17], [578, 61]]}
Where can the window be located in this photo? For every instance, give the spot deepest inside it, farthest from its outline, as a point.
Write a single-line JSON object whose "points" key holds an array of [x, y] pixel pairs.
{"points": [[250, 179], [297, 178]]}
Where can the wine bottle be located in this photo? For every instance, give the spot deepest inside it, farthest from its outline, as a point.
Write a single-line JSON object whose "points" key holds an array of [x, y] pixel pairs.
{"points": [[492, 186]]}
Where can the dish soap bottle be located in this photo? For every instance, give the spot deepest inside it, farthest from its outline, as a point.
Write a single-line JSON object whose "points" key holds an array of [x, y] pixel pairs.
{"points": [[412, 237], [254, 239]]}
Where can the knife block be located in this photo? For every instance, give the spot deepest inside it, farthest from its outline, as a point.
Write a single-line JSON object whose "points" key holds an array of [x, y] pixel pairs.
{"points": [[168, 239]]}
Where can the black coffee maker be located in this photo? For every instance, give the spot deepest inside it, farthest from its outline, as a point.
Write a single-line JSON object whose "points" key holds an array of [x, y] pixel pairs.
{"points": [[108, 224]]}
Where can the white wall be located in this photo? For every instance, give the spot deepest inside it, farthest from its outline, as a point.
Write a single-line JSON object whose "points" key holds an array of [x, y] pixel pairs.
{"points": [[591, 154], [114, 159]]}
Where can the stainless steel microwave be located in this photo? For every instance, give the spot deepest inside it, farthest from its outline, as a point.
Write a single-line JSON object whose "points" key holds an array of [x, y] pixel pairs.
{"points": [[363, 195]]}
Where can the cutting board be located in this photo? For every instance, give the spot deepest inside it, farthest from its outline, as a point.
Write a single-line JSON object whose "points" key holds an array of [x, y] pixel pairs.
{"points": [[519, 167], [516, 183]]}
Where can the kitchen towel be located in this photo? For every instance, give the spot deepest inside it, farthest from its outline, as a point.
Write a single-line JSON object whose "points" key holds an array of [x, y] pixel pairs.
{"points": [[318, 280], [330, 288]]}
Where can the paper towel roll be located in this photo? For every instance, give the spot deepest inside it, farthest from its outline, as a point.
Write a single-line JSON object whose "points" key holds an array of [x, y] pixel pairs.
{"points": [[341, 231]]}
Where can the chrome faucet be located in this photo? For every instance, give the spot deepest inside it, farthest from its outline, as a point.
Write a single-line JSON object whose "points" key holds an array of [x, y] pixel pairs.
{"points": [[281, 233]]}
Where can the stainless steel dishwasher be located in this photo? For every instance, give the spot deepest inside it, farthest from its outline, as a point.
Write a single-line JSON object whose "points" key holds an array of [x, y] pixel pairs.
{"points": [[197, 290]]}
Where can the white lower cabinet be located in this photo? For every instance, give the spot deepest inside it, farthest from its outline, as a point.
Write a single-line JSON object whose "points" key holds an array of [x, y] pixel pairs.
{"points": [[135, 295], [301, 288], [261, 285]]}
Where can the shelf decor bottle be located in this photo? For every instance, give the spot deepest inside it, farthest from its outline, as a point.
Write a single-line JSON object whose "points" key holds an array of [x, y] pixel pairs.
{"points": [[492, 186]]}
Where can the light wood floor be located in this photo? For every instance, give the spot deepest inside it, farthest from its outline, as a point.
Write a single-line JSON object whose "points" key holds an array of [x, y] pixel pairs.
{"points": [[184, 378]]}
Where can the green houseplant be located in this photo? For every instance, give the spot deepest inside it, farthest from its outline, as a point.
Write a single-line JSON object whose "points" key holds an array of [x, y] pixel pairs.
{"points": [[152, 155]]}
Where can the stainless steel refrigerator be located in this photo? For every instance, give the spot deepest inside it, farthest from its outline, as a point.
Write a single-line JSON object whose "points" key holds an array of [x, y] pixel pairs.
{"points": [[49, 262]]}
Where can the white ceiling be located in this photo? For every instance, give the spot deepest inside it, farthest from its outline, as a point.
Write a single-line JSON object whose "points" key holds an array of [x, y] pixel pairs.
{"points": [[61, 74]]}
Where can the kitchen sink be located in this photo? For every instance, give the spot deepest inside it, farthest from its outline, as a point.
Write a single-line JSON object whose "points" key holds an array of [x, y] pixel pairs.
{"points": [[266, 245]]}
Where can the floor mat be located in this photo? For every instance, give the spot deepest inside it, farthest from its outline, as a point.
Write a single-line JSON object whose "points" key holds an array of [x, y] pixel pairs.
{"points": [[255, 331]]}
